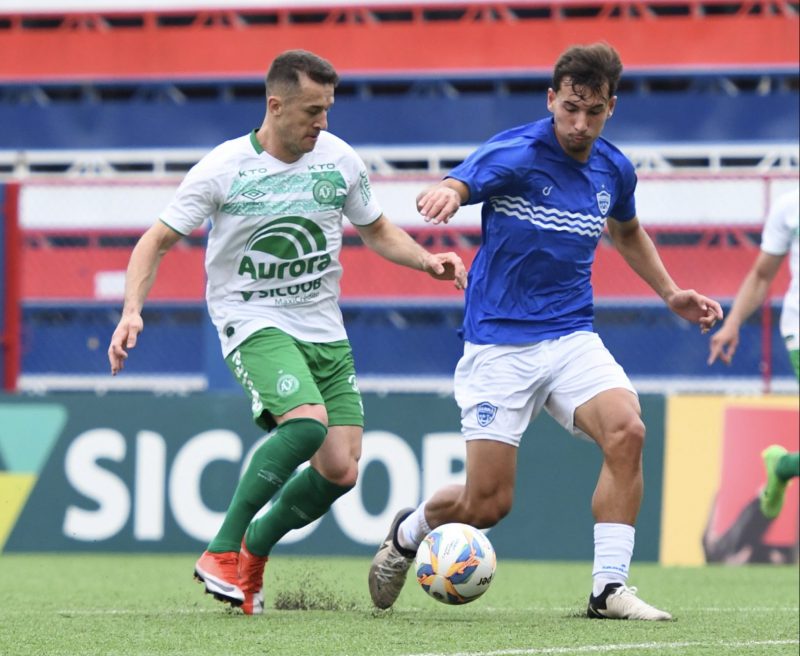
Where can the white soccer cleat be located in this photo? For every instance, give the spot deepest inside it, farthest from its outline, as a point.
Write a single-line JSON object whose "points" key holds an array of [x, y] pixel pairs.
{"points": [[387, 574], [619, 602]]}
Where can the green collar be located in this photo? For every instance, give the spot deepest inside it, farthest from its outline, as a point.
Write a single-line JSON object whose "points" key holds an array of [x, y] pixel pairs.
{"points": [[254, 141]]}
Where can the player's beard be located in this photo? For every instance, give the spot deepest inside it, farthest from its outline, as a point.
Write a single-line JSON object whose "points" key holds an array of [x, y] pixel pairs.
{"points": [[580, 146]]}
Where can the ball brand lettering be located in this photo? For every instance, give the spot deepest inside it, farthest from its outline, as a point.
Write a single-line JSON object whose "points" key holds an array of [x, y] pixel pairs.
{"points": [[281, 270]]}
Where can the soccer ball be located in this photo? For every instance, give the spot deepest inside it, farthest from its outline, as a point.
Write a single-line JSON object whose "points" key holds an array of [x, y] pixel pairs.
{"points": [[455, 563]]}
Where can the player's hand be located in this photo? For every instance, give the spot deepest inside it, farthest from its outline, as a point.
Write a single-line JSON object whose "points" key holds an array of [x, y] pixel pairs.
{"points": [[723, 344], [438, 204], [124, 339], [696, 308], [447, 266]]}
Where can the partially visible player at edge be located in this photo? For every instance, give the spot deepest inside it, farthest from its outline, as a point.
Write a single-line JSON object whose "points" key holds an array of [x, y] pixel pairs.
{"points": [[276, 198], [548, 188], [779, 238]]}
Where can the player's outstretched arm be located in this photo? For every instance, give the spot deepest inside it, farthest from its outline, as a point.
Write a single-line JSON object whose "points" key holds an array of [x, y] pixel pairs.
{"points": [[396, 245], [139, 278], [635, 245], [438, 204], [751, 295]]}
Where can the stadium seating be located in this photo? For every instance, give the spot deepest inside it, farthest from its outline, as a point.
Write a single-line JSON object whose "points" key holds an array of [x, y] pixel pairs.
{"points": [[181, 78]]}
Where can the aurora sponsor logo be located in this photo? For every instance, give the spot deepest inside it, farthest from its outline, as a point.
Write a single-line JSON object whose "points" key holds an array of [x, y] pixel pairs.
{"points": [[298, 241]]}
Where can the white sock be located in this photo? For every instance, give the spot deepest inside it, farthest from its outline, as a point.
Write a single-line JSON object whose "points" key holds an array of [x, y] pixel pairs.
{"points": [[413, 529], [613, 550]]}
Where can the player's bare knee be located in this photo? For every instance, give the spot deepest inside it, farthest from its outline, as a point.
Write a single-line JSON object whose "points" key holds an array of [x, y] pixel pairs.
{"points": [[350, 477], [488, 512], [490, 516], [342, 473], [625, 442]]}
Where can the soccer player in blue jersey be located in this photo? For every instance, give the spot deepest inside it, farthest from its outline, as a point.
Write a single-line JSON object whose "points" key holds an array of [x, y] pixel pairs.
{"points": [[548, 189]]}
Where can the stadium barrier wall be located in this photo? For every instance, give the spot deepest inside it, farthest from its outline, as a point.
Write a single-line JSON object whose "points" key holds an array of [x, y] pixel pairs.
{"points": [[77, 237], [61, 339], [128, 472], [675, 117]]}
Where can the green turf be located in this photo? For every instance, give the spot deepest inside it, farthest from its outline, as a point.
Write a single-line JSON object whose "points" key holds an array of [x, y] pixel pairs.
{"points": [[149, 605]]}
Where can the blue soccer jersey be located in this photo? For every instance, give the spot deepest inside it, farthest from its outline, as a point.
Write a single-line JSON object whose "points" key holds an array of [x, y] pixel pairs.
{"points": [[542, 217]]}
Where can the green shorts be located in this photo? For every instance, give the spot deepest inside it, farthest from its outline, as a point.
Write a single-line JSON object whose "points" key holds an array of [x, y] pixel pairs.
{"points": [[279, 373]]}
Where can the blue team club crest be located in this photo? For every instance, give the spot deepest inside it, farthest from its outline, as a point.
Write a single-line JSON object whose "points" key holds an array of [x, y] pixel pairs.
{"points": [[603, 201], [486, 413]]}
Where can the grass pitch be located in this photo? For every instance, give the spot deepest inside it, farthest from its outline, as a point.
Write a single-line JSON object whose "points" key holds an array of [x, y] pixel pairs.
{"points": [[148, 605]]}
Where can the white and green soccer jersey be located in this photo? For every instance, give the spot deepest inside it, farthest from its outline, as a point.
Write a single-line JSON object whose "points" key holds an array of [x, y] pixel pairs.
{"points": [[272, 258], [780, 236]]}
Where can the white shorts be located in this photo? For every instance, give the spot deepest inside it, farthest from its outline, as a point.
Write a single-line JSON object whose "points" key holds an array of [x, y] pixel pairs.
{"points": [[502, 388]]}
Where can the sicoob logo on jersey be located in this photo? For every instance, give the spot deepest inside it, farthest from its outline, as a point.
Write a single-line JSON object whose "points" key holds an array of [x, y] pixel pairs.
{"points": [[291, 239]]}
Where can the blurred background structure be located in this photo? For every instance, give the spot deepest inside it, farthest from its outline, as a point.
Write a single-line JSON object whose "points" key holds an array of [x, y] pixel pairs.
{"points": [[104, 106]]}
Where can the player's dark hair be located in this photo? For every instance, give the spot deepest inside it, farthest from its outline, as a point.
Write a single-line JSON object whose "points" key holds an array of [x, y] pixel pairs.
{"points": [[590, 67], [284, 73]]}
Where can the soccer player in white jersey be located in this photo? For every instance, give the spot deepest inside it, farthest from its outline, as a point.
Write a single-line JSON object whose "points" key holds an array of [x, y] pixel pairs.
{"points": [[548, 189], [276, 200], [778, 239]]}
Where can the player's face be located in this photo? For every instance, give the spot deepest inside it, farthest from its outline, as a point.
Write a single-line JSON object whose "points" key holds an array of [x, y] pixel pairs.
{"points": [[579, 116], [299, 116]]}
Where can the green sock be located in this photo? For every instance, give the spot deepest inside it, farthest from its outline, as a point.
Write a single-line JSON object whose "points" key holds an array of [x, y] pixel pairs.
{"points": [[788, 466], [302, 500], [294, 442]]}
